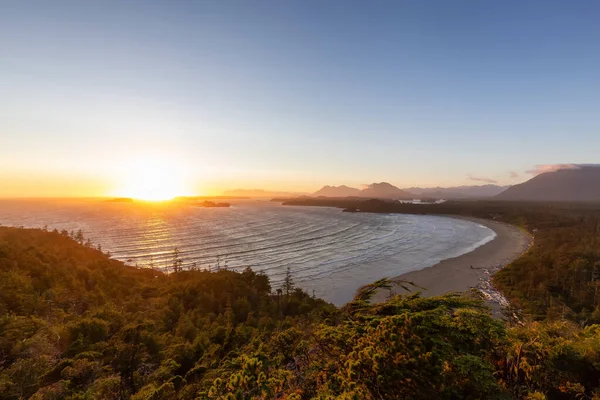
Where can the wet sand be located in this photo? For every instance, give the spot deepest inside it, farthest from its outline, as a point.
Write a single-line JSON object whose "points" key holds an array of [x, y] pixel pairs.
{"points": [[470, 270]]}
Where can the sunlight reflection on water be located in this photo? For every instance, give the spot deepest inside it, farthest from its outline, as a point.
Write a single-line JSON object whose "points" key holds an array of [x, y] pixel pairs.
{"points": [[328, 251]]}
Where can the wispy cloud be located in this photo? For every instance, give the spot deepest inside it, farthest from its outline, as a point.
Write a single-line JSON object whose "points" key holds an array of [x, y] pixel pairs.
{"points": [[513, 174], [543, 168], [481, 179]]}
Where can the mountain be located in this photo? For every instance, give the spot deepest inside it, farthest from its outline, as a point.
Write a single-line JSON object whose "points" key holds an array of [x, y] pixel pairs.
{"points": [[384, 190], [581, 183], [337, 191], [458, 192], [260, 193]]}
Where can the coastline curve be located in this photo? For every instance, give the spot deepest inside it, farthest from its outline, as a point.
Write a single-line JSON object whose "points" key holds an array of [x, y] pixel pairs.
{"points": [[471, 270]]}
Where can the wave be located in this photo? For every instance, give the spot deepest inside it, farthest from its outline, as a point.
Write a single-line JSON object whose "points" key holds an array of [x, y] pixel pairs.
{"points": [[325, 249]]}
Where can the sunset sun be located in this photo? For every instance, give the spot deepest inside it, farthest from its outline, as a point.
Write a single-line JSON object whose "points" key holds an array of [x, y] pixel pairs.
{"points": [[153, 180]]}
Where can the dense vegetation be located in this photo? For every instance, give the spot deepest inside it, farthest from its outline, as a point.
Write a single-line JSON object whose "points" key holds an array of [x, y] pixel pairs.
{"points": [[75, 324], [558, 278]]}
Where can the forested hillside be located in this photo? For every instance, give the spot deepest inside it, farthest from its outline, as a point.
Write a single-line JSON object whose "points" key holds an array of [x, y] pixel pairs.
{"points": [[76, 325], [74, 322]]}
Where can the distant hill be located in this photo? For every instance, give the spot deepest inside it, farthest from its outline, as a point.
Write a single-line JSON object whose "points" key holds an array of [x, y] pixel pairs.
{"points": [[382, 190], [337, 191], [459, 192], [385, 190], [260, 193], [581, 183]]}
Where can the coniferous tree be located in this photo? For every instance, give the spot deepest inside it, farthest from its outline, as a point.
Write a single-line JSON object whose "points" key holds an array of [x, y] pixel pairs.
{"points": [[79, 236], [177, 262], [288, 282]]}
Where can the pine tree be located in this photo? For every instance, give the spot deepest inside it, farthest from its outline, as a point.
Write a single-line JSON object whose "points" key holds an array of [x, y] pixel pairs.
{"points": [[79, 236], [177, 261], [288, 282]]}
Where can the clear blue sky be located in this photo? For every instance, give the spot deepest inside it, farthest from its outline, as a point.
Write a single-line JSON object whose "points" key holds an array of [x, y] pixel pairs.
{"points": [[296, 94]]}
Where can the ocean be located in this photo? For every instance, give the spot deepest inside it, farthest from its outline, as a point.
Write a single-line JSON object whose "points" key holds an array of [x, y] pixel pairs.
{"points": [[329, 252]]}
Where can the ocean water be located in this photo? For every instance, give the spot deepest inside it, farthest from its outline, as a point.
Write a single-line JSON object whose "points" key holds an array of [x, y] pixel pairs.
{"points": [[329, 252]]}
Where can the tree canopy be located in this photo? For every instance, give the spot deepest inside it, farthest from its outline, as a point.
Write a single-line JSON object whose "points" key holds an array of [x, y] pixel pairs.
{"points": [[75, 324]]}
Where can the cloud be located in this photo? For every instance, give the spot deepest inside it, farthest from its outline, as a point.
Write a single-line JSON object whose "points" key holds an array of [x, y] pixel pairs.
{"points": [[513, 174], [481, 179], [543, 168]]}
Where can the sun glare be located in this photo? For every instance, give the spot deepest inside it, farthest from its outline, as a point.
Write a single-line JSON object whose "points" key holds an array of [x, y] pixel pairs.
{"points": [[153, 180]]}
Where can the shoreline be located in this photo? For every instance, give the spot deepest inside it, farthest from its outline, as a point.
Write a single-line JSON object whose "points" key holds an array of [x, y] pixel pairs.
{"points": [[472, 270]]}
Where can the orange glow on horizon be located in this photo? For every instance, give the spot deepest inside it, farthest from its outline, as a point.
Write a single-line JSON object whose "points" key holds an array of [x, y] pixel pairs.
{"points": [[153, 180]]}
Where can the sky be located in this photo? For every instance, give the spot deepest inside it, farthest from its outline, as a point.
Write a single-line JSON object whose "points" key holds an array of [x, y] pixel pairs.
{"points": [[293, 95]]}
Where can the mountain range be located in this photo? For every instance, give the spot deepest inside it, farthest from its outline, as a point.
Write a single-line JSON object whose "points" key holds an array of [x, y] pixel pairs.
{"points": [[458, 192], [388, 191], [381, 190], [337, 191], [576, 184], [573, 183]]}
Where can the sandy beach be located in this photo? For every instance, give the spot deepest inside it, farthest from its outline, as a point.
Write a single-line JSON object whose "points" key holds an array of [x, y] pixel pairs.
{"points": [[470, 270]]}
